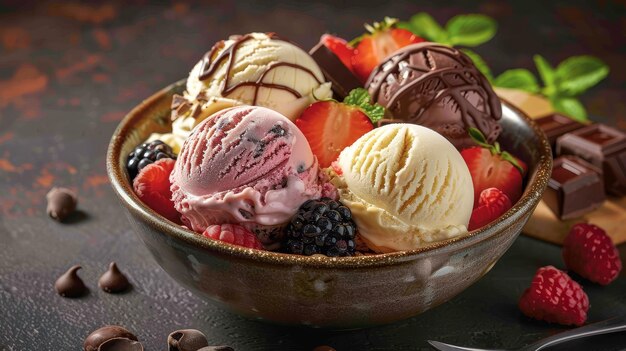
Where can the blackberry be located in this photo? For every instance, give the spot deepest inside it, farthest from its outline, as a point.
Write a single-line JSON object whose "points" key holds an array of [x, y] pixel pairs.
{"points": [[146, 154], [323, 226]]}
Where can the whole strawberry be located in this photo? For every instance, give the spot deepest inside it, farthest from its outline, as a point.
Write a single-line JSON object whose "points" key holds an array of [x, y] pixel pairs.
{"points": [[492, 167], [382, 40], [588, 251], [554, 297]]}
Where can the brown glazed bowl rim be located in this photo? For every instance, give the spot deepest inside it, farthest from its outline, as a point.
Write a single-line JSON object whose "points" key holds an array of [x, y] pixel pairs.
{"points": [[117, 175]]}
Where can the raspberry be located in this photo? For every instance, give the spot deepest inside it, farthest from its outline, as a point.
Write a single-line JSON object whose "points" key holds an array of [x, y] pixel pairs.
{"points": [[554, 297], [152, 185], [492, 204], [233, 234], [588, 251]]}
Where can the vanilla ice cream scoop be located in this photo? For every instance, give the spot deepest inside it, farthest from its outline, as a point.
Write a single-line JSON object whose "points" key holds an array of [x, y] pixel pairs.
{"points": [[253, 69], [407, 186]]}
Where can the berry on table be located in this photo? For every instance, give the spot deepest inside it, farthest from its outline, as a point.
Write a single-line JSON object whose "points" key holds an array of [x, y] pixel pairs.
{"points": [[554, 297], [233, 234], [323, 226], [152, 186], [590, 252], [146, 154]]}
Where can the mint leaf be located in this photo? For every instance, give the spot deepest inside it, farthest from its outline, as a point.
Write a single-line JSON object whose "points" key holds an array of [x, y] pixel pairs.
{"points": [[361, 98], [547, 74], [517, 79], [571, 107], [423, 25], [579, 73], [471, 30], [479, 63]]}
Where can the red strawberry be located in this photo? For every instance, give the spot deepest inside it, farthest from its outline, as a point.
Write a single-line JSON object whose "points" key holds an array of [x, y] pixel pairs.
{"points": [[554, 297], [382, 40], [588, 251], [233, 234], [152, 185], [491, 167], [491, 205], [330, 126], [340, 48]]}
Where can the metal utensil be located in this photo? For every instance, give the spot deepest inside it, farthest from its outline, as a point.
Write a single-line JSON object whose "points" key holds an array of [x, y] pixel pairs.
{"points": [[612, 325]]}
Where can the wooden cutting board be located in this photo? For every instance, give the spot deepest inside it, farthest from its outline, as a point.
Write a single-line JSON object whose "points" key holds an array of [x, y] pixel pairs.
{"points": [[543, 224]]}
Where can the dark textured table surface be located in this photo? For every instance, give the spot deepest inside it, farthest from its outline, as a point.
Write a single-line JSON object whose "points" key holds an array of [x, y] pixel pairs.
{"points": [[69, 72]]}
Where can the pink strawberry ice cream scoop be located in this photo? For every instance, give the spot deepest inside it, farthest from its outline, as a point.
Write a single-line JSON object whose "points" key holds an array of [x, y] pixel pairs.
{"points": [[248, 165]]}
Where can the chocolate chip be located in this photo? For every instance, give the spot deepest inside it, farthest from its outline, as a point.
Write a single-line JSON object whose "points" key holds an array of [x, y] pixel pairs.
{"points": [[121, 344], [70, 285], [217, 348], [97, 339], [61, 203], [186, 340], [113, 281]]}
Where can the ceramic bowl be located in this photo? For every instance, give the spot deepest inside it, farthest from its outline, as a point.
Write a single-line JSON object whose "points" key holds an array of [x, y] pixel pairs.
{"points": [[338, 293]]}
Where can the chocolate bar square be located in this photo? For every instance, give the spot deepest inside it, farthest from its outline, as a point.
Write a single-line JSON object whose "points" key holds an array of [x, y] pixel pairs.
{"points": [[603, 147], [342, 80], [555, 125], [575, 188]]}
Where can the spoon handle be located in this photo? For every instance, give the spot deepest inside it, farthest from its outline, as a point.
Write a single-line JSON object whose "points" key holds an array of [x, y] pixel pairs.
{"points": [[612, 325]]}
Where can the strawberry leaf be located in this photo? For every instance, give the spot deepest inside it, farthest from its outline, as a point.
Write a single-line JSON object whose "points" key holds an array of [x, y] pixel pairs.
{"points": [[471, 30], [359, 97], [510, 158]]}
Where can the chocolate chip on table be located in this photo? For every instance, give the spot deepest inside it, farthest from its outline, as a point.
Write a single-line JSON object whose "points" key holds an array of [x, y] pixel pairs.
{"points": [[111, 337], [113, 280], [216, 348], [70, 285], [121, 344], [186, 340], [61, 203]]}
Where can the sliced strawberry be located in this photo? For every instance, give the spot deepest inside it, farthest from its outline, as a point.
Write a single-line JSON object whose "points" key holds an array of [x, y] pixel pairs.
{"points": [[491, 167], [152, 186], [492, 204], [382, 40], [340, 48], [330, 126]]}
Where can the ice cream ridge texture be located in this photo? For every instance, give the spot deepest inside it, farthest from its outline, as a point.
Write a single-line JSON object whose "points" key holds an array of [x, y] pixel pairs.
{"points": [[438, 87], [248, 165], [252, 69], [406, 185]]}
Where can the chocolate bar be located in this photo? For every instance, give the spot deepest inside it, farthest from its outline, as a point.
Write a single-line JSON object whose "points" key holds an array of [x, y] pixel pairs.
{"points": [[574, 188], [343, 81], [603, 147], [555, 125]]}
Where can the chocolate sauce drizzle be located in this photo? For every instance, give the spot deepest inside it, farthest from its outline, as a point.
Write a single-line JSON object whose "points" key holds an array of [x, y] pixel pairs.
{"points": [[210, 65]]}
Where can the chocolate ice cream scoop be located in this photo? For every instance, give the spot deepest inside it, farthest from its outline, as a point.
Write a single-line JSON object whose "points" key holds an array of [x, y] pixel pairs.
{"points": [[438, 87]]}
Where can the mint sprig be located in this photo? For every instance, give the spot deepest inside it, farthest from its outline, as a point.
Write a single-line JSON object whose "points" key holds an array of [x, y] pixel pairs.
{"points": [[561, 85], [478, 137], [462, 30], [359, 97]]}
